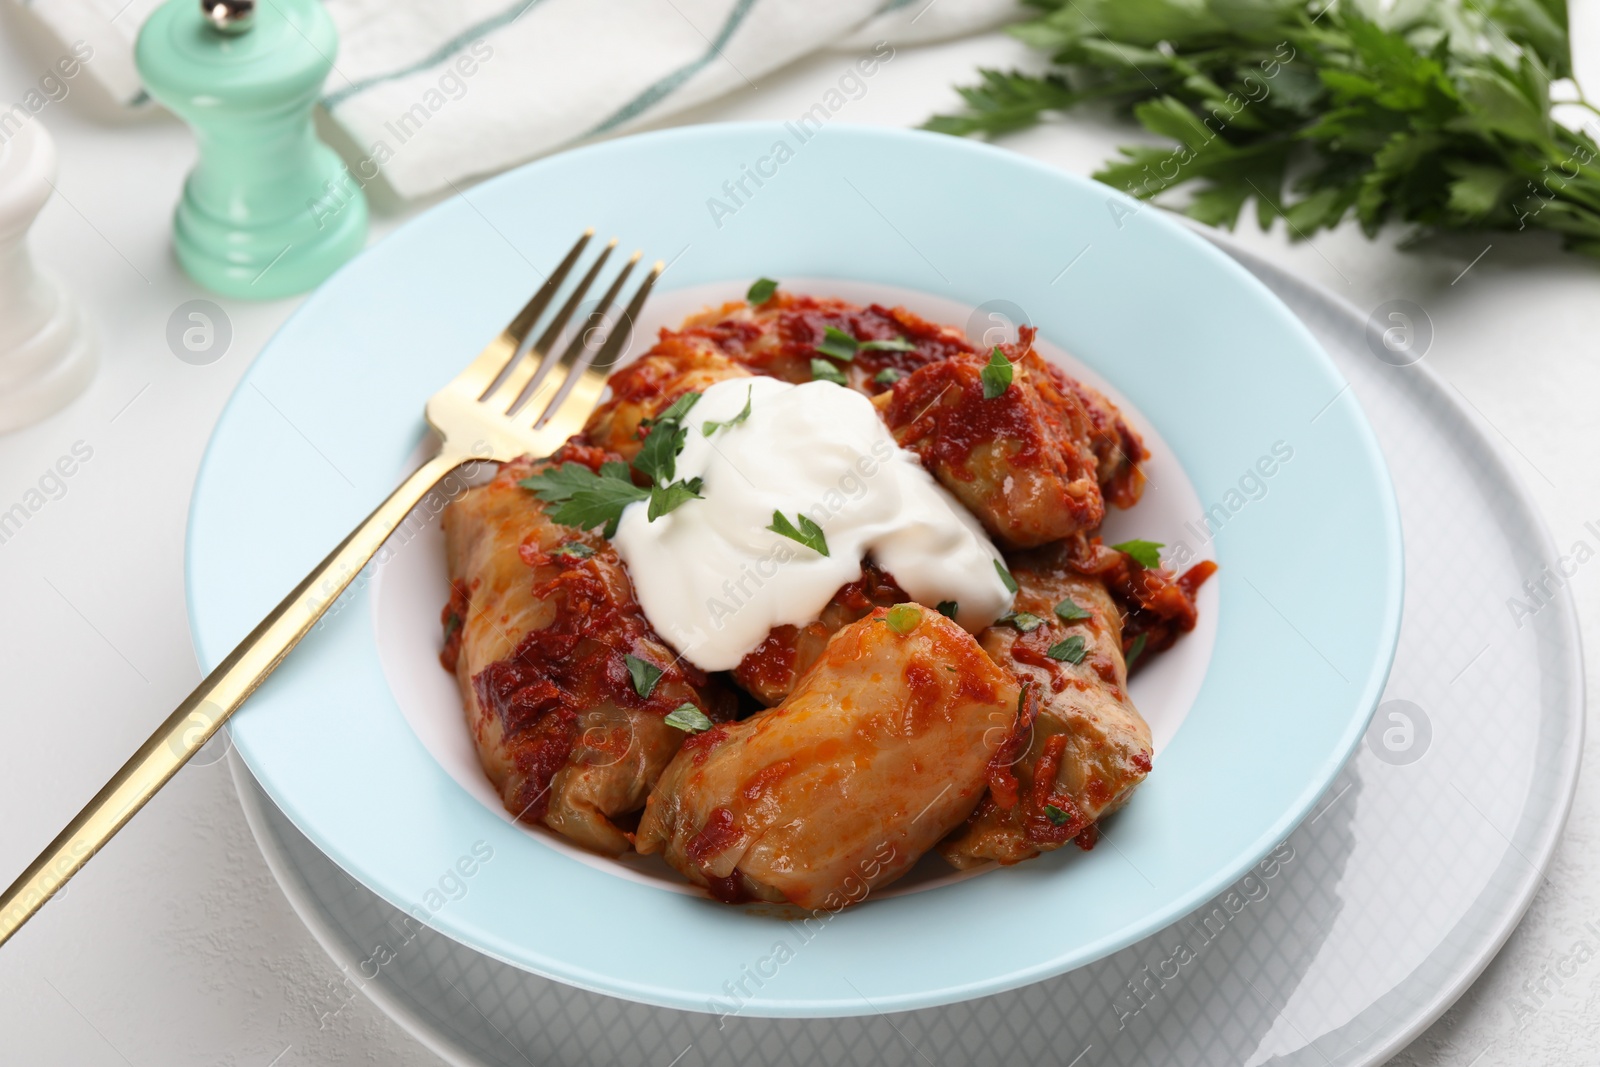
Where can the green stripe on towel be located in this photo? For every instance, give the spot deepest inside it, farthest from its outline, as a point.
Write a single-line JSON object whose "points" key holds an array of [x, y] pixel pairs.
{"points": [[439, 55], [647, 99]]}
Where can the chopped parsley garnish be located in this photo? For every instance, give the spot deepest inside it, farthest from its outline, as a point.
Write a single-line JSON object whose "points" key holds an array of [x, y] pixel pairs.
{"points": [[1005, 576], [1146, 554], [711, 426], [809, 533], [666, 498], [573, 550], [1022, 620], [1056, 816], [585, 499], [1069, 611], [557, 485], [823, 371], [1136, 650], [949, 608], [645, 675], [887, 376], [658, 459], [688, 718], [893, 344], [838, 345], [680, 407], [761, 291], [997, 375], [451, 625], [1071, 650], [903, 618]]}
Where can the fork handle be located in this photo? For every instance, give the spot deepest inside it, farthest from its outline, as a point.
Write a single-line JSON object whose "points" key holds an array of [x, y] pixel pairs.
{"points": [[213, 701]]}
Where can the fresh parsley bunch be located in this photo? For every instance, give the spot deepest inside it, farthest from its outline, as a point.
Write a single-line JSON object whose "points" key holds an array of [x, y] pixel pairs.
{"points": [[1432, 112]]}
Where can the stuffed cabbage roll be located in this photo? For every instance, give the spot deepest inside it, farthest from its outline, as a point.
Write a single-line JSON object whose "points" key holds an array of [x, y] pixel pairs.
{"points": [[881, 749], [565, 684], [1082, 747], [1036, 460], [769, 673]]}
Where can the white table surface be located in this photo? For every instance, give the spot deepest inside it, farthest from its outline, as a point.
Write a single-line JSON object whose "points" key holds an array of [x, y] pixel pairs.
{"points": [[175, 947]]}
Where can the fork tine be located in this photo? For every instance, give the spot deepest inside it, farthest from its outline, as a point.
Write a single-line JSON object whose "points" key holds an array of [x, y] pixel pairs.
{"points": [[584, 395], [504, 397], [553, 383], [612, 349], [493, 360]]}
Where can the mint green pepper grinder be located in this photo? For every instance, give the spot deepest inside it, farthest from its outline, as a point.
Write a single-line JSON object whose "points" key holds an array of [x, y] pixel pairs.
{"points": [[269, 211]]}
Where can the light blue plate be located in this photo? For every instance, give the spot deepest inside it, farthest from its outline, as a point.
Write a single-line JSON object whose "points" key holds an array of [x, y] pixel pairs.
{"points": [[325, 421]]}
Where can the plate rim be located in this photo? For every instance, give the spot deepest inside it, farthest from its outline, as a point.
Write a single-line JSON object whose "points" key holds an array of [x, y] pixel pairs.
{"points": [[1572, 750], [1134, 930]]}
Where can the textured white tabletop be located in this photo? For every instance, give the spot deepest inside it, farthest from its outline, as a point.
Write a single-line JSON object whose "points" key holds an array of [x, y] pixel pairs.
{"points": [[175, 947]]}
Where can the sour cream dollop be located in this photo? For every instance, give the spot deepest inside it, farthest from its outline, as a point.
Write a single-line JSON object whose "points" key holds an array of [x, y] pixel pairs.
{"points": [[713, 580]]}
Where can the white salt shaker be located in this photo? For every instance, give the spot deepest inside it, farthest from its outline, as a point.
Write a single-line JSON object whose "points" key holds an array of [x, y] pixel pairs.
{"points": [[46, 351]]}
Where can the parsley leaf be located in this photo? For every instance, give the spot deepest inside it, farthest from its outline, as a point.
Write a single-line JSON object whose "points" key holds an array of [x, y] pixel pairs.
{"points": [[658, 459], [1005, 576], [1146, 554], [711, 426], [451, 625], [823, 371], [1056, 816], [688, 718], [573, 550], [809, 533], [903, 618], [1136, 650], [761, 291], [1070, 650], [555, 485], [838, 344], [644, 674], [887, 376], [680, 407], [997, 375], [668, 498], [896, 344], [949, 608], [1069, 611], [1023, 621], [583, 499]]}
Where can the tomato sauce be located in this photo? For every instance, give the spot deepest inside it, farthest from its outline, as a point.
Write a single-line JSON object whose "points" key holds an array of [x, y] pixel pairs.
{"points": [[1038, 826], [719, 834], [1156, 604]]}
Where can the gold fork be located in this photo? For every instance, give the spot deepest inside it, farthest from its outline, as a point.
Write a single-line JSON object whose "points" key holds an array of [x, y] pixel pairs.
{"points": [[490, 411]]}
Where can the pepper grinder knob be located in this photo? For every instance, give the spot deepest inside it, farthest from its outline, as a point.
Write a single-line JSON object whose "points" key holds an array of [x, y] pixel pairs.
{"points": [[230, 16], [268, 211], [46, 351]]}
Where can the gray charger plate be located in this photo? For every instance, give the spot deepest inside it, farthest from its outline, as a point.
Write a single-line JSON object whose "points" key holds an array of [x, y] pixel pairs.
{"points": [[1364, 926]]}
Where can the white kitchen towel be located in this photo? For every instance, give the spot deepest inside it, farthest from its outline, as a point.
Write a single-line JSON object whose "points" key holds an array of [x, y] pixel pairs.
{"points": [[433, 92]]}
